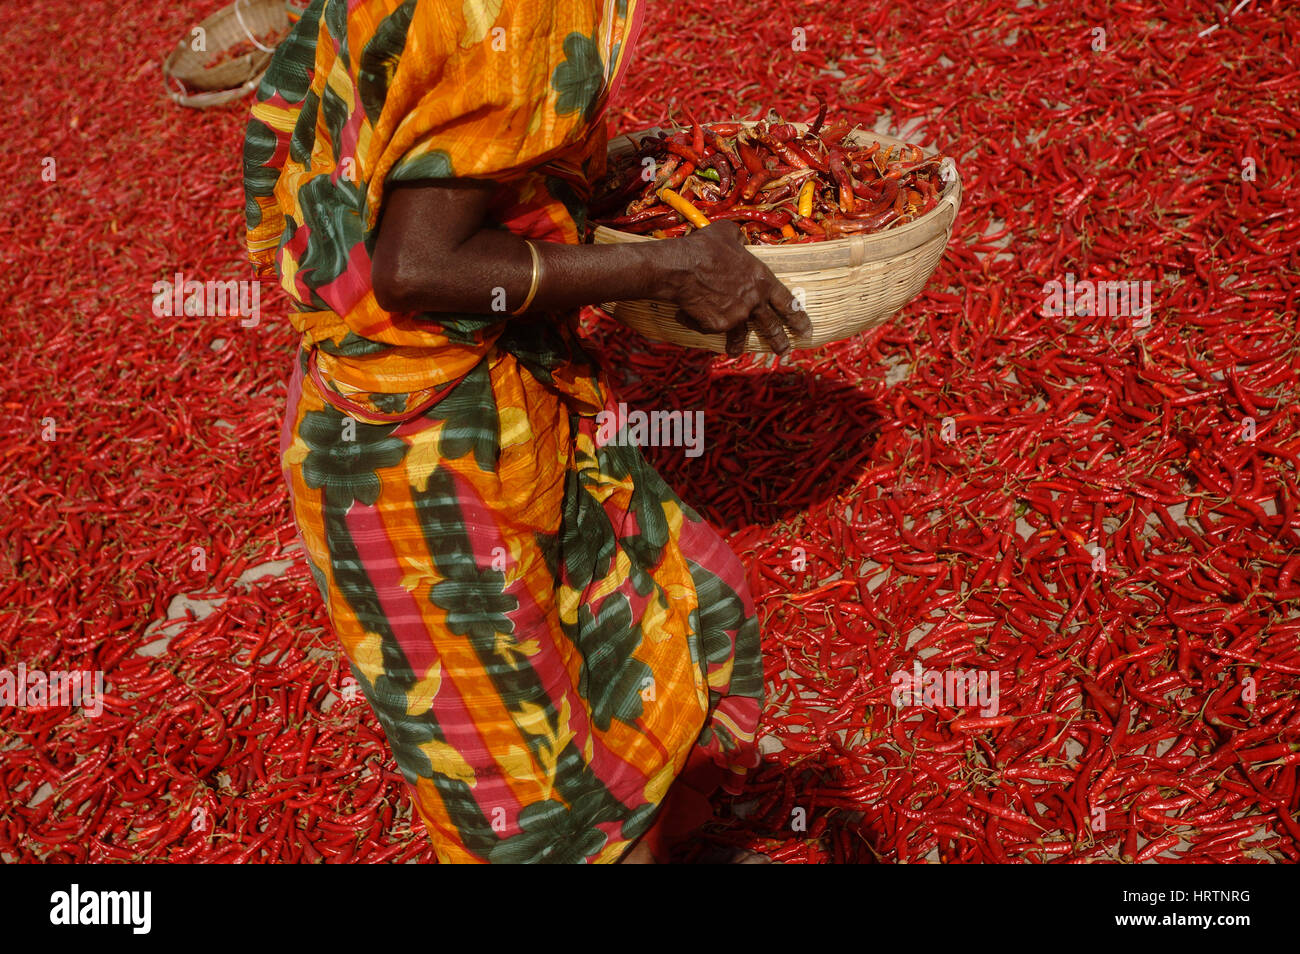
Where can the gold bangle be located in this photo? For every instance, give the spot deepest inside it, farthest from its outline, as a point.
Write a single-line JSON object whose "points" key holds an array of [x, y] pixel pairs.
{"points": [[537, 276]]}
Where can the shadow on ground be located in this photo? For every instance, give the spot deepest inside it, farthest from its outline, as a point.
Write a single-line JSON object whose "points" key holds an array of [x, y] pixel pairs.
{"points": [[792, 813], [776, 441]]}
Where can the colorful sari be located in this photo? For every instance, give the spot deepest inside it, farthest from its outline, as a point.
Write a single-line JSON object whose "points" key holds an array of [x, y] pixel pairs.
{"points": [[547, 634]]}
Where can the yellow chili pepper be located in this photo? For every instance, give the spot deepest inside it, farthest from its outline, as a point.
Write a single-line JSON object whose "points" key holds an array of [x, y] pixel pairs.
{"points": [[684, 206], [806, 197]]}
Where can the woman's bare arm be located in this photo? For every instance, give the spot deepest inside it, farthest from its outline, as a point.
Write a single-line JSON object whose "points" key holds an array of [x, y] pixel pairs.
{"points": [[433, 253]]}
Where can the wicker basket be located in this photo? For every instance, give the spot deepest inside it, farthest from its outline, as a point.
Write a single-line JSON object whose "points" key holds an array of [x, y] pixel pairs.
{"points": [[848, 285], [190, 81]]}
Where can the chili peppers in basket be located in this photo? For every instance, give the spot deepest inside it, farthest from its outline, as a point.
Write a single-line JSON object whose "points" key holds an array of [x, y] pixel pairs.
{"points": [[785, 187]]}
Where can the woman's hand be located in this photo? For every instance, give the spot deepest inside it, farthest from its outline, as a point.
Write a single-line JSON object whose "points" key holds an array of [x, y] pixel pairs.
{"points": [[720, 288]]}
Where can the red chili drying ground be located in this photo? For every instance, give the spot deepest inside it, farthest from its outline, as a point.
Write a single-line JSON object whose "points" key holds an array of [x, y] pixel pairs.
{"points": [[1154, 698]]}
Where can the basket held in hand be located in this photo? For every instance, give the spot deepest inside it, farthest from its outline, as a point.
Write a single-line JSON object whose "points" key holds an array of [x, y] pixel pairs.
{"points": [[847, 285]]}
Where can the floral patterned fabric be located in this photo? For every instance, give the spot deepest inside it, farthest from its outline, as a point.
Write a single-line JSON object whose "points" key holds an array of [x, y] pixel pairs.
{"points": [[544, 630]]}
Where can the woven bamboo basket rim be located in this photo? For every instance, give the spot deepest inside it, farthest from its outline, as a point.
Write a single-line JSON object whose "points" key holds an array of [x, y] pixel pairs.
{"points": [[852, 284], [188, 79], [850, 250], [182, 97]]}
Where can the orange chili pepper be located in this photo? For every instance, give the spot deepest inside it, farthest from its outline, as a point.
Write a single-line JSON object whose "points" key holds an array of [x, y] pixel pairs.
{"points": [[684, 206]]}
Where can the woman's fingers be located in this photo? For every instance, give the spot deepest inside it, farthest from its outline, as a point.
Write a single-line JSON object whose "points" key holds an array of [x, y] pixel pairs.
{"points": [[789, 310], [770, 328], [735, 335], [736, 339], [684, 317]]}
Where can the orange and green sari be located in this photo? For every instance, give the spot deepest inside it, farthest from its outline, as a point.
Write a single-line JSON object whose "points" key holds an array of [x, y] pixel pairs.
{"points": [[547, 634]]}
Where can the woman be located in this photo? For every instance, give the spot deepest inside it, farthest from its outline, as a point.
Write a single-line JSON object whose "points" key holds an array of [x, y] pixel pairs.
{"points": [[552, 641]]}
